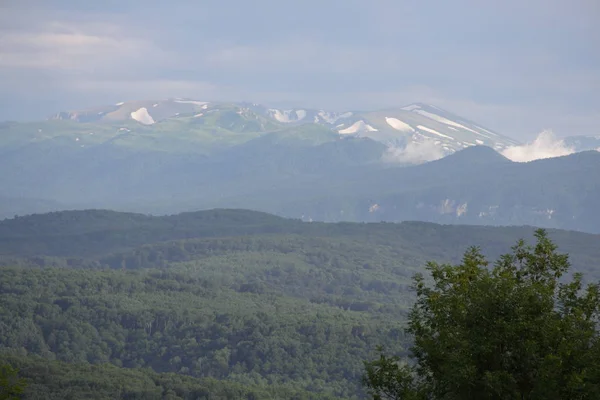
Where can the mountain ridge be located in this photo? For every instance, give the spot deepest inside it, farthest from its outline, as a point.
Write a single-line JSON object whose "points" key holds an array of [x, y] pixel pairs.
{"points": [[426, 123]]}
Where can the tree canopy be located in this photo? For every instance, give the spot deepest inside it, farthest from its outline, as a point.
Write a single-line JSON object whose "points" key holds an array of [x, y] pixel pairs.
{"points": [[515, 330], [11, 386]]}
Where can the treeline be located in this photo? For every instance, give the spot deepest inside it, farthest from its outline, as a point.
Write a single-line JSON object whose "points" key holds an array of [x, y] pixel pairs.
{"points": [[55, 380], [96, 234]]}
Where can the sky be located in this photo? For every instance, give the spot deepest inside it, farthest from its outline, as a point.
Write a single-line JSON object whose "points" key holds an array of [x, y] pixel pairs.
{"points": [[518, 67]]}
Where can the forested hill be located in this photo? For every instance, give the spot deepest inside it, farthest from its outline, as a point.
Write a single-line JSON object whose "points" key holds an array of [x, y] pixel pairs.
{"points": [[218, 304], [99, 233]]}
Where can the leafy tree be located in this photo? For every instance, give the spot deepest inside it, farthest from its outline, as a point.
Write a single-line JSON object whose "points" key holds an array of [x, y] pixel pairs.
{"points": [[512, 331], [11, 386]]}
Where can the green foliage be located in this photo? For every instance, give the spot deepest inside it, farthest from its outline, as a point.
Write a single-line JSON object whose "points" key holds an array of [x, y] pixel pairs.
{"points": [[111, 237], [55, 380], [11, 386], [226, 296], [181, 321], [513, 331]]}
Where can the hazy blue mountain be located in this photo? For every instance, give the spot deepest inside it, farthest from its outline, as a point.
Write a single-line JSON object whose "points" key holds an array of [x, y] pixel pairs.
{"points": [[179, 155], [583, 142]]}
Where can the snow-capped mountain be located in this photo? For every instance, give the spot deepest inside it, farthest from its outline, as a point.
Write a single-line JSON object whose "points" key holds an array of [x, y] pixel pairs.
{"points": [[415, 124], [146, 112]]}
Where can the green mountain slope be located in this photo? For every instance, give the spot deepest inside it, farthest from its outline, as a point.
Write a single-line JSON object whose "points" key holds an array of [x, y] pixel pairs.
{"points": [[305, 164], [277, 307]]}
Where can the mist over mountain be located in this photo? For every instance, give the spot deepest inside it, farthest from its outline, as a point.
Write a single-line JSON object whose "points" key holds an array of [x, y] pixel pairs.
{"points": [[416, 162]]}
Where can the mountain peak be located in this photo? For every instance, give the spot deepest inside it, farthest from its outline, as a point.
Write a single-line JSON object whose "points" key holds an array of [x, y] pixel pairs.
{"points": [[418, 124], [475, 156], [423, 106]]}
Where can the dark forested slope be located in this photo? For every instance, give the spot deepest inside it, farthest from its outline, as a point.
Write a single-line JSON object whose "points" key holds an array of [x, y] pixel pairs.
{"points": [[283, 308]]}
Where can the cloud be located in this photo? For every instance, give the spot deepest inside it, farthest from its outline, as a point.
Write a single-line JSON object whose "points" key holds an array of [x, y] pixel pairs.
{"points": [[542, 71], [69, 48], [414, 153], [546, 145]]}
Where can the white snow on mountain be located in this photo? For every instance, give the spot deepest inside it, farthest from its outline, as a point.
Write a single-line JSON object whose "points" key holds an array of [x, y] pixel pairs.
{"points": [[120, 103], [411, 107], [142, 116], [194, 102], [330, 117], [445, 121], [287, 116], [358, 126], [486, 131], [426, 129], [399, 125]]}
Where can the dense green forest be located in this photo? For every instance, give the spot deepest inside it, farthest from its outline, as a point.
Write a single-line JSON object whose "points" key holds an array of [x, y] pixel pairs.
{"points": [[218, 304]]}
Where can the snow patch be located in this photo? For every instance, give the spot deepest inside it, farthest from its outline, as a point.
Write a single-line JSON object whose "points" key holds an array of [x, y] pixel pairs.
{"points": [[356, 127], [287, 116], [301, 114], [331, 118], [454, 129], [155, 105], [374, 208], [399, 125], [478, 141], [545, 145], [142, 116], [445, 121], [485, 130], [120, 103], [411, 107], [426, 129], [194, 102]]}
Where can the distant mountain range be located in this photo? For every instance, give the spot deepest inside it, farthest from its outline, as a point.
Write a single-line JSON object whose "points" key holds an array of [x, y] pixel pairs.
{"points": [[415, 123], [180, 154]]}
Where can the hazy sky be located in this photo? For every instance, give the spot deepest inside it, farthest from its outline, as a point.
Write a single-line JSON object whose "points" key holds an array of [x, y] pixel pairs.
{"points": [[515, 66]]}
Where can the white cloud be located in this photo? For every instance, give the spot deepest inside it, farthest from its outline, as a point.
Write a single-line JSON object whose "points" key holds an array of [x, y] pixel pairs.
{"points": [[545, 145], [414, 153]]}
